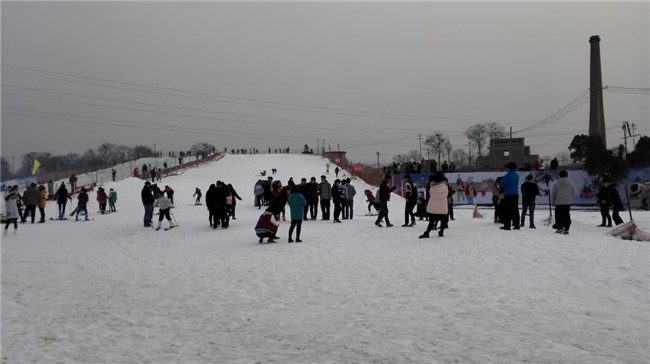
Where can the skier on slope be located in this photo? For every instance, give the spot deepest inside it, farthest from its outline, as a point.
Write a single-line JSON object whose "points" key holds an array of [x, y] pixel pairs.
{"points": [[82, 203], [164, 205], [170, 194], [197, 194]]}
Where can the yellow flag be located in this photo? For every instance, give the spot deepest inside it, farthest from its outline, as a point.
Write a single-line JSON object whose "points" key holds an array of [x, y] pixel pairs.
{"points": [[35, 168]]}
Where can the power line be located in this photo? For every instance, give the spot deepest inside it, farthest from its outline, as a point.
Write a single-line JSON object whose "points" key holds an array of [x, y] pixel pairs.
{"points": [[401, 130], [254, 102], [576, 103], [184, 115], [157, 127]]}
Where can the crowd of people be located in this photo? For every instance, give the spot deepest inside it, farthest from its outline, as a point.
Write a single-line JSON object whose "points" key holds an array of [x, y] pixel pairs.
{"points": [[304, 199], [23, 207]]}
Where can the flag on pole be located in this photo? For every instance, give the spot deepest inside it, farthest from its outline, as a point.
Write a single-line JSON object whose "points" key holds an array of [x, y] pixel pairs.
{"points": [[35, 168]]}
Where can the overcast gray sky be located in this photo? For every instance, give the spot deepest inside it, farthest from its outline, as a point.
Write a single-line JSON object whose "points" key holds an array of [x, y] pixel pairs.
{"points": [[232, 74]]}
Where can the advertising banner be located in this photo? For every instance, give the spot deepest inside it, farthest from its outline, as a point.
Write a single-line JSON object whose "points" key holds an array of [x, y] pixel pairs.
{"points": [[586, 186]]}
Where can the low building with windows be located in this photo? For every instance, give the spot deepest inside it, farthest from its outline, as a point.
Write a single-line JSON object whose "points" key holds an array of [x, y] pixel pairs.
{"points": [[506, 150]]}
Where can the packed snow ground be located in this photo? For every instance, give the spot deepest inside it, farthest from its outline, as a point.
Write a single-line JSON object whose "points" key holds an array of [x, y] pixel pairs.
{"points": [[111, 291]]}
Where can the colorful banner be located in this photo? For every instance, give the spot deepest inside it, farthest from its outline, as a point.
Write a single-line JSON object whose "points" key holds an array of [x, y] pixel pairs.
{"points": [[22, 183], [586, 186]]}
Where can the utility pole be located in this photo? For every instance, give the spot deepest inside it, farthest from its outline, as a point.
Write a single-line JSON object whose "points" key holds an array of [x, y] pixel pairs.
{"points": [[420, 137], [377, 160], [634, 135], [626, 127]]}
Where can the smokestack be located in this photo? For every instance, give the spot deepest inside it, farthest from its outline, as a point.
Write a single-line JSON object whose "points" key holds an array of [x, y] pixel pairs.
{"points": [[596, 113]]}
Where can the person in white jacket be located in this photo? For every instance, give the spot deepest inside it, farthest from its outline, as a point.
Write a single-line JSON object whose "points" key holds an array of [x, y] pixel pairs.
{"points": [[165, 205], [11, 210], [562, 198]]}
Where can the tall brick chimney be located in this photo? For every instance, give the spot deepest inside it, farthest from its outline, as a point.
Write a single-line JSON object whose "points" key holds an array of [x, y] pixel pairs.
{"points": [[596, 110]]}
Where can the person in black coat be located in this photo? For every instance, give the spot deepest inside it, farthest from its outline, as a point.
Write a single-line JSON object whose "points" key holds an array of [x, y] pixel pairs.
{"points": [[147, 201], [411, 196], [604, 201], [336, 199], [221, 193], [233, 204], [529, 191], [210, 203], [62, 196], [384, 197], [617, 204]]}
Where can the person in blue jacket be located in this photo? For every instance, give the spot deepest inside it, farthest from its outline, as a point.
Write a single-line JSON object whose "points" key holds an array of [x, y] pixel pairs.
{"points": [[509, 207]]}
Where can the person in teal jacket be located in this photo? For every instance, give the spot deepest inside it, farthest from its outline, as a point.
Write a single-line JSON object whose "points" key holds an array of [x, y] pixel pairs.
{"points": [[297, 203], [112, 199]]}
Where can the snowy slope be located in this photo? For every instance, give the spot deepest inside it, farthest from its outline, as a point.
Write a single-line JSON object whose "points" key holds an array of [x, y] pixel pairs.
{"points": [[111, 291]]}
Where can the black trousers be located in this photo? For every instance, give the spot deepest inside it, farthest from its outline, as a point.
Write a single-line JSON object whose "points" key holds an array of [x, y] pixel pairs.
{"points": [[9, 221], [164, 214], [408, 211], [510, 211], [313, 208], [29, 209], [297, 224], [433, 222], [42, 211], [337, 210], [616, 216], [563, 216], [604, 214], [212, 217], [325, 209], [383, 213], [497, 212]]}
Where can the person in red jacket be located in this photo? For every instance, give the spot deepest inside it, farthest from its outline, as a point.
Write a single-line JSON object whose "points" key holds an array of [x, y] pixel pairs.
{"points": [[102, 198], [267, 226]]}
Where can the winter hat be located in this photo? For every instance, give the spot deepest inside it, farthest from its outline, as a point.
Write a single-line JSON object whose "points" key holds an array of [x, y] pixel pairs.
{"points": [[511, 166]]}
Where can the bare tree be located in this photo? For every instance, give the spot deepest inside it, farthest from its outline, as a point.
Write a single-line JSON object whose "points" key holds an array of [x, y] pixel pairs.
{"points": [[6, 169], [459, 157], [495, 130], [477, 134], [201, 147], [413, 155], [448, 148], [436, 142]]}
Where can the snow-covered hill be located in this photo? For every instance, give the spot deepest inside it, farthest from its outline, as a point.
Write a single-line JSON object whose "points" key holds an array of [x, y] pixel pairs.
{"points": [[111, 291]]}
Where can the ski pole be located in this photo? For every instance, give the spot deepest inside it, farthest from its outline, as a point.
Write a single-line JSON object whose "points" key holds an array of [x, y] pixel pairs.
{"points": [[173, 217]]}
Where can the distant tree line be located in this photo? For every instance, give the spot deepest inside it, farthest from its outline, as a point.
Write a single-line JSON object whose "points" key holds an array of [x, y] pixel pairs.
{"points": [[105, 155], [597, 159]]}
